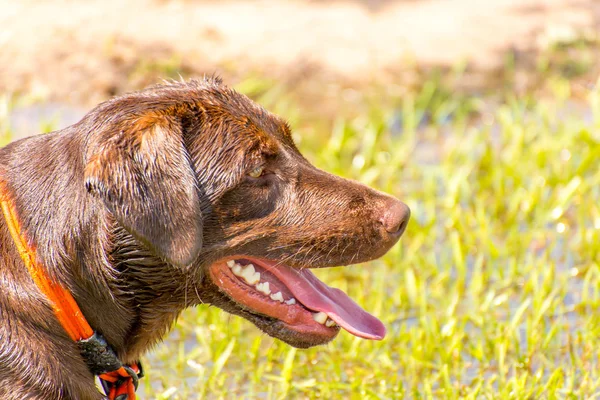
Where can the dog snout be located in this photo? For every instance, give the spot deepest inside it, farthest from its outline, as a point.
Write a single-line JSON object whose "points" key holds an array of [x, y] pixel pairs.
{"points": [[394, 217]]}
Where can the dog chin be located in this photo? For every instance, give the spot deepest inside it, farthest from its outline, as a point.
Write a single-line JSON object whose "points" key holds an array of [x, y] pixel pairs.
{"points": [[278, 330]]}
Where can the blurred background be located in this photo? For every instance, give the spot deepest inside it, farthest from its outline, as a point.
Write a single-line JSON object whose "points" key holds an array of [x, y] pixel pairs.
{"points": [[483, 116]]}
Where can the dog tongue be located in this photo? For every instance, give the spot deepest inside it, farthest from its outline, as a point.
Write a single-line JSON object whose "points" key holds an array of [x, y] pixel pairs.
{"points": [[317, 296]]}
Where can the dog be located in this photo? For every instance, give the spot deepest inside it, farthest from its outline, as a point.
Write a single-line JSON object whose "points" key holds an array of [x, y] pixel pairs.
{"points": [[181, 194]]}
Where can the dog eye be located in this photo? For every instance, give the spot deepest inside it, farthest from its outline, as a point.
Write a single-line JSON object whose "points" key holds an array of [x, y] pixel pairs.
{"points": [[257, 172]]}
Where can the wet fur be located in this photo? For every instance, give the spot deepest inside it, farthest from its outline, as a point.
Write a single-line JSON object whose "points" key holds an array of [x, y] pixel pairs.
{"points": [[128, 207]]}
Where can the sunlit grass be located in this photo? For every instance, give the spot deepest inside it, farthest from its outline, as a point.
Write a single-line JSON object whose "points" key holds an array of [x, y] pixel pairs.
{"points": [[494, 290], [5, 107]]}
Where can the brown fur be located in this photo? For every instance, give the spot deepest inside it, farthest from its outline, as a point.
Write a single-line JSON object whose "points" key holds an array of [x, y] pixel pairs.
{"points": [[128, 207]]}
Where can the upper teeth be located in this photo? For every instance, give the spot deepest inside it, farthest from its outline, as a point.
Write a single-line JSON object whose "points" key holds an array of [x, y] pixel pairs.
{"points": [[237, 270], [252, 277], [249, 274], [277, 297], [263, 287]]}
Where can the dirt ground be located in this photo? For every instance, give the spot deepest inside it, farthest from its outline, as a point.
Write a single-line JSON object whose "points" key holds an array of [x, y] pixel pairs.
{"points": [[84, 51]]}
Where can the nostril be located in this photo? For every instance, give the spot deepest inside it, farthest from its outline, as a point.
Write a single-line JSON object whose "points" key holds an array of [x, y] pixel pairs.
{"points": [[395, 218], [401, 226]]}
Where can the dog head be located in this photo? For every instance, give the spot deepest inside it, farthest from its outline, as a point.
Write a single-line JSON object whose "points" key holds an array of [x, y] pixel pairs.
{"points": [[211, 182]]}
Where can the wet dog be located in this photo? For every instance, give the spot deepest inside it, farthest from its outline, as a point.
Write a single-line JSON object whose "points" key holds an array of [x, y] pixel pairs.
{"points": [[177, 195]]}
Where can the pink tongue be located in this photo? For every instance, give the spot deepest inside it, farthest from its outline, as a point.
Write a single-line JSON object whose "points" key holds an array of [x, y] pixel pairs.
{"points": [[317, 296]]}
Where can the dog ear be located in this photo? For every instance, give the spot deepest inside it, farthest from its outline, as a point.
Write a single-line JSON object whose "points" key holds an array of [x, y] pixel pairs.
{"points": [[142, 172]]}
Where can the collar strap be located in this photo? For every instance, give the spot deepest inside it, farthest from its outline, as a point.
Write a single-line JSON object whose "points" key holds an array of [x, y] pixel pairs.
{"points": [[118, 380]]}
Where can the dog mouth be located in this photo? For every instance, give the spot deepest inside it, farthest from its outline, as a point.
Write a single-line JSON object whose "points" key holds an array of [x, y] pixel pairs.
{"points": [[295, 297]]}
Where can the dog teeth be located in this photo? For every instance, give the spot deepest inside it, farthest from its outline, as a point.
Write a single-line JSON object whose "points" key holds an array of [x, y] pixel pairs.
{"points": [[263, 287], [320, 317], [247, 273], [277, 297], [237, 270], [250, 275], [249, 270]]}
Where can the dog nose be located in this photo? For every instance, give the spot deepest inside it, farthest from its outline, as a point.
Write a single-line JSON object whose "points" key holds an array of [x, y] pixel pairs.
{"points": [[395, 217]]}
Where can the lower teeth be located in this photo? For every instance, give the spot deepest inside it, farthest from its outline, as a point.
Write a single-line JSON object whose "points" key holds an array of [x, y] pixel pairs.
{"points": [[322, 319]]}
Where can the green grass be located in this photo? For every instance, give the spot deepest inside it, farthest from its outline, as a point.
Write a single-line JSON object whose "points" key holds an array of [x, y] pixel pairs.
{"points": [[493, 291], [5, 107]]}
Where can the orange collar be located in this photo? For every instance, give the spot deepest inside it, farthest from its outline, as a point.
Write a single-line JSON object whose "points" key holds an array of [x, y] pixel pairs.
{"points": [[118, 379]]}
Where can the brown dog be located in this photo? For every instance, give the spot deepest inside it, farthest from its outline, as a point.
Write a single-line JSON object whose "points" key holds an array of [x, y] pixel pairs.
{"points": [[161, 200]]}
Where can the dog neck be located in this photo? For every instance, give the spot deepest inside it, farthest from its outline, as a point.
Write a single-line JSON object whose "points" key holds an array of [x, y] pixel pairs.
{"points": [[125, 292]]}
